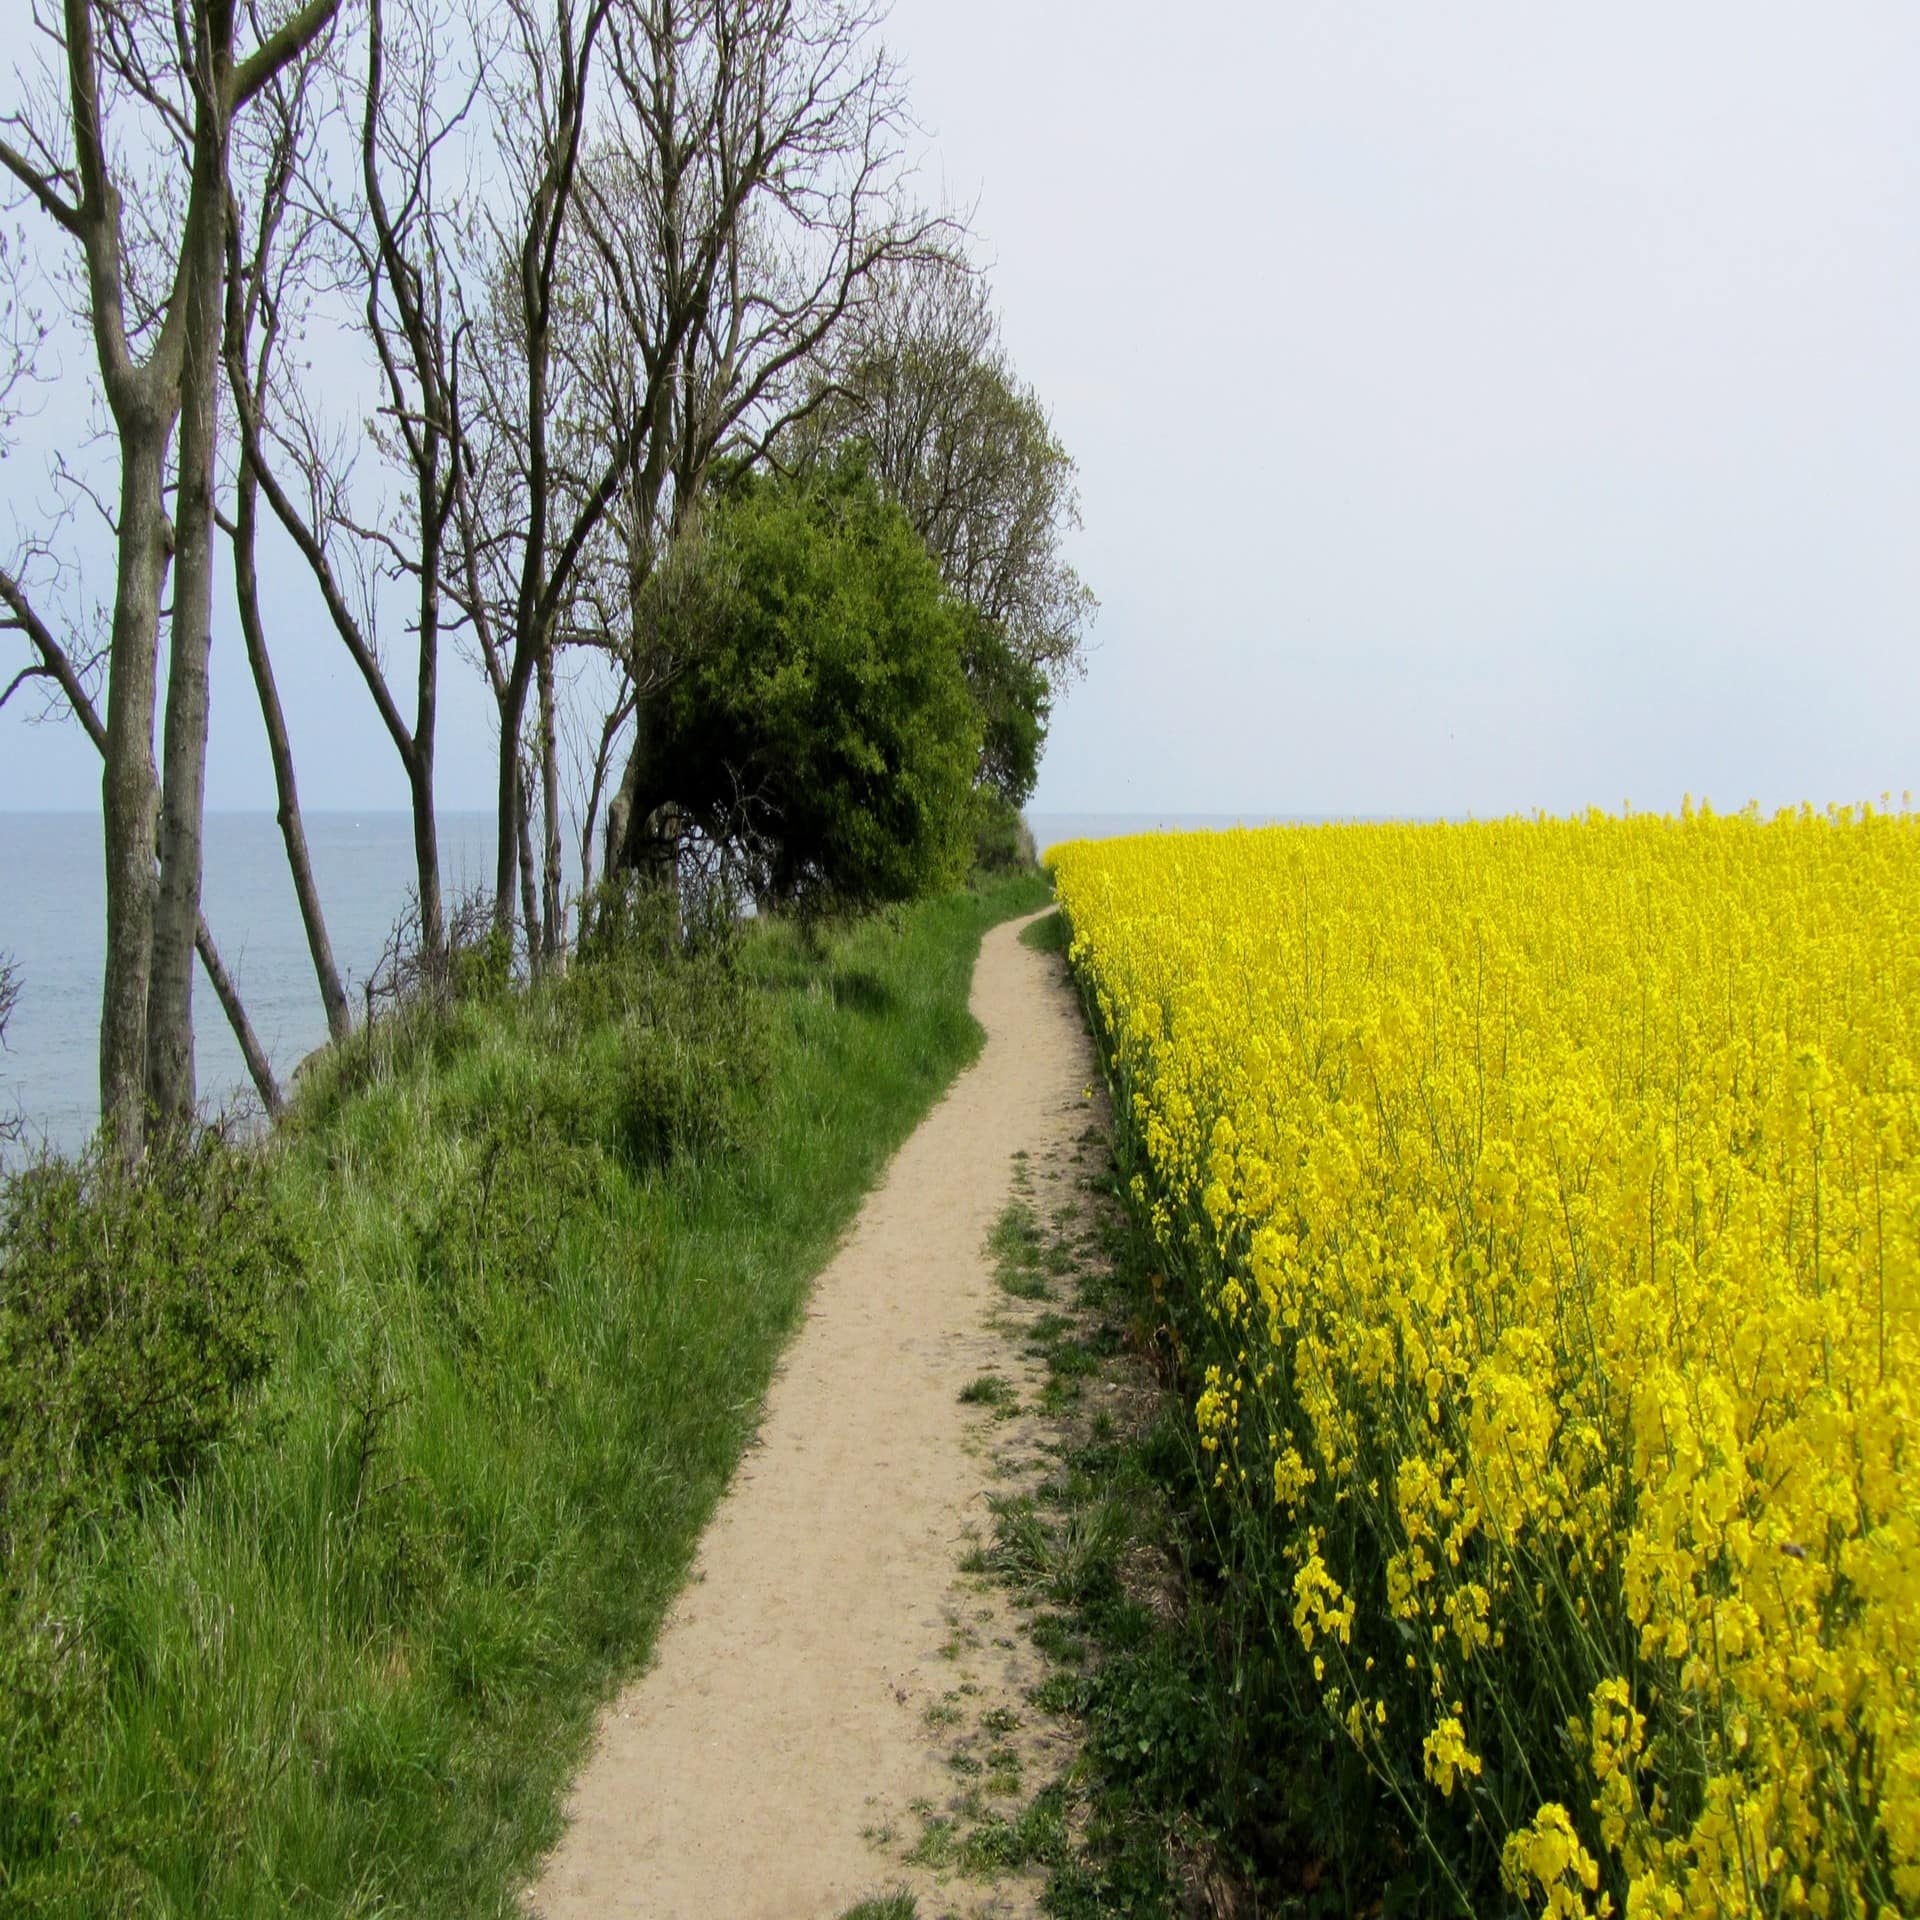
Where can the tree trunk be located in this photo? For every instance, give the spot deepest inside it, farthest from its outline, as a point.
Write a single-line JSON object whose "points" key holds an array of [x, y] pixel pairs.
{"points": [[529, 906], [426, 709], [176, 916], [426, 860], [551, 932], [129, 787], [510, 802], [634, 841], [255, 1055], [619, 812], [293, 832]]}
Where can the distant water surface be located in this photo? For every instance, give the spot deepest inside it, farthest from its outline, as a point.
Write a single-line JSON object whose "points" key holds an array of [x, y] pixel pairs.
{"points": [[53, 923]]}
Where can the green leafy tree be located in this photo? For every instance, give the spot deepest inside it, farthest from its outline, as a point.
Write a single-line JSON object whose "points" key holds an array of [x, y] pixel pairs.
{"points": [[1015, 703], [921, 382], [824, 732]]}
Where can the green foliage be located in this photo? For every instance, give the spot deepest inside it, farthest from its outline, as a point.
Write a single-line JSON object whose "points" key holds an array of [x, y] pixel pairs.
{"points": [[1001, 840], [1015, 703], [626, 918], [134, 1312], [351, 1665], [481, 969], [676, 1098], [137, 1312], [824, 726]]}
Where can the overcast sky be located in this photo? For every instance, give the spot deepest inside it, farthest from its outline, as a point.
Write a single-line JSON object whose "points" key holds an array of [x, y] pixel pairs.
{"points": [[1478, 407]]}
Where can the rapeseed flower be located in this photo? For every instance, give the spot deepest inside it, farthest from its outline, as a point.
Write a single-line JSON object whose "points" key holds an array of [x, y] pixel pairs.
{"points": [[1546, 1196]]}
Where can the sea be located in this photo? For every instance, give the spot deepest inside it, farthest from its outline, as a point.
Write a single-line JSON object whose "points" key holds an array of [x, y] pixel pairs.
{"points": [[53, 928]]}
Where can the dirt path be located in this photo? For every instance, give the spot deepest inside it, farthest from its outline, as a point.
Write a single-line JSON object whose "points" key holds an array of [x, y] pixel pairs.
{"points": [[789, 1732]]}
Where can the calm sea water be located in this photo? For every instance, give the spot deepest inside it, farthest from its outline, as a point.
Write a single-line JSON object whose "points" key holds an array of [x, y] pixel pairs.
{"points": [[53, 923], [53, 918]]}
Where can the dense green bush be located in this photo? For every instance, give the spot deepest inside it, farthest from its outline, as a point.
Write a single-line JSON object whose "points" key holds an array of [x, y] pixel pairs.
{"points": [[137, 1310], [1002, 842], [134, 1312], [481, 968], [824, 727]]}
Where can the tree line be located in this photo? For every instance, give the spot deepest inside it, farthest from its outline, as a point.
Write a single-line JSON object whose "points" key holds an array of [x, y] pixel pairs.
{"points": [[685, 425]]}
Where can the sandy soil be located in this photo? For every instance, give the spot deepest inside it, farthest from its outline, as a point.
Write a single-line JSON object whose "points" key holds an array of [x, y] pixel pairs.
{"points": [[788, 1736]]}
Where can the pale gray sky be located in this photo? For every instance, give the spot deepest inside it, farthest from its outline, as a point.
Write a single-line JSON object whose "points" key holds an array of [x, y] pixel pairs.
{"points": [[1478, 407]]}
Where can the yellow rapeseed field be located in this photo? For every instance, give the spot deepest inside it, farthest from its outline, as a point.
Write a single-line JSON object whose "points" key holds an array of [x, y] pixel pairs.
{"points": [[1546, 1197]]}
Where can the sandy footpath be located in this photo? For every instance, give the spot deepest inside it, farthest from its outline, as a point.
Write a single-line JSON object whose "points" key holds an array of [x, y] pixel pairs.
{"points": [[784, 1721]]}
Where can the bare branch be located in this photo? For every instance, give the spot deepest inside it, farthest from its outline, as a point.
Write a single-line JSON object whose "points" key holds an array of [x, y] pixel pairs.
{"points": [[62, 211], [286, 44]]}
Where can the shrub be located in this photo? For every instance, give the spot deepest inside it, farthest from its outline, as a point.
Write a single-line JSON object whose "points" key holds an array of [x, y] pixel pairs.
{"points": [[628, 916], [481, 968], [134, 1313], [824, 728], [676, 1096], [487, 1245], [1002, 841]]}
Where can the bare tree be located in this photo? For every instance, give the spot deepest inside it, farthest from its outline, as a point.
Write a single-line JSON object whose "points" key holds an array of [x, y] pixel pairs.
{"points": [[55, 663], [393, 250], [518, 570], [746, 199], [140, 78], [264, 291]]}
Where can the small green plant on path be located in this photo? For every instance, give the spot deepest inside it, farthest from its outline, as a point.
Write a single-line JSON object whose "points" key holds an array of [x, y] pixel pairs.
{"points": [[1019, 1258], [887, 1906], [989, 1391]]}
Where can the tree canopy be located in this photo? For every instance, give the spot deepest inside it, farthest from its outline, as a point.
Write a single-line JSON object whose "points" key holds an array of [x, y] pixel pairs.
{"points": [[924, 387], [824, 729]]}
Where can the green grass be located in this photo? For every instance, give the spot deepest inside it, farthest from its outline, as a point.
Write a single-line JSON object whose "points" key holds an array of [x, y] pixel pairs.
{"points": [[989, 1390], [555, 1249], [887, 1906], [1050, 934], [1018, 1254]]}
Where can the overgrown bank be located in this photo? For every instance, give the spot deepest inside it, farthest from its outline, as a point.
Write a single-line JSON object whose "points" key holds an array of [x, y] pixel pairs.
{"points": [[321, 1548]]}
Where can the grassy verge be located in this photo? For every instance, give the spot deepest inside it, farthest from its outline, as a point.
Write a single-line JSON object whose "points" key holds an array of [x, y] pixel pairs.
{"points": [[1176, 1805], [1202, 1786], [345, 1660]]}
